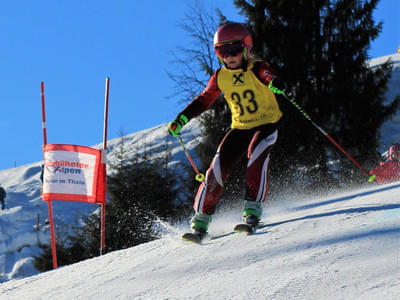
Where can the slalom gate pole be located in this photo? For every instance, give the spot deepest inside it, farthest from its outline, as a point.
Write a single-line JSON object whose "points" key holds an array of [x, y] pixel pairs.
{"points": [[53, 235], [50, 207], [103, 157], [43, 115], [199, 176], [327, 135]]}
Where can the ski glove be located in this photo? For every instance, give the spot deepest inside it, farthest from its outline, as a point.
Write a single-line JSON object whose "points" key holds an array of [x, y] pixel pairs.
{"points": [[175, 126], [279, 87]]}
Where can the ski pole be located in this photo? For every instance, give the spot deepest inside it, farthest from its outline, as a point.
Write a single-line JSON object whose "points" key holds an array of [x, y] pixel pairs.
{"points": [[199, 176], [326, 134]]}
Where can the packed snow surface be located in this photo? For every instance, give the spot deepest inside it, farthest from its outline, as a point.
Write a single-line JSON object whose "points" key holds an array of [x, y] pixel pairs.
{"points": [[339, 247]]}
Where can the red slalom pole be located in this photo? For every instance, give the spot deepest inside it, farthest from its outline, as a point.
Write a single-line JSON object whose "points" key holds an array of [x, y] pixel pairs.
{"points": [[52, 231], [106, 113], [53, 236], [103, 157], [43, 114]]}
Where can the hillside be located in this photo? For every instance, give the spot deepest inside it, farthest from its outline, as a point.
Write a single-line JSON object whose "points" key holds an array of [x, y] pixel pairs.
{"points": [[339, 247]]}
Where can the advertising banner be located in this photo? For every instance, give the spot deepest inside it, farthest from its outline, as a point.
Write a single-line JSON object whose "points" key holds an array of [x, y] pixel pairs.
{"points": [[73, 173]]}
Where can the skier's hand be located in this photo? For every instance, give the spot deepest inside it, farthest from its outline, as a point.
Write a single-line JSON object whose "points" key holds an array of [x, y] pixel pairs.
{"points": [[371, 178], [279, 87], [175, 126]]}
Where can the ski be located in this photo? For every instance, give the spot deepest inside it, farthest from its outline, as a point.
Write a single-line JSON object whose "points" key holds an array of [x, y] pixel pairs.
{"points": [[192, 237], [245, 228], [197, 238]]}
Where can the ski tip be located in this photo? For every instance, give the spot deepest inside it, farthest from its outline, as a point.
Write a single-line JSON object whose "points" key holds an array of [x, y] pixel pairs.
{"points": [[243, 228], [192, 238]]}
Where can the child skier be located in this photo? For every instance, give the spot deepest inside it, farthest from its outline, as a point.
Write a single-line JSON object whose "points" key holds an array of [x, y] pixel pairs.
{"points": [[248, 86], [388, 171]]}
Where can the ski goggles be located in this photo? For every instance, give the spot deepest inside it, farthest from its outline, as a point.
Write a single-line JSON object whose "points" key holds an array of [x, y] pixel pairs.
{"points": [[229, 49]]}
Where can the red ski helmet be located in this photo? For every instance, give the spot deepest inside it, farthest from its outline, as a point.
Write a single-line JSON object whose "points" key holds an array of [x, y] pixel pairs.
{"points": [[394, 152], [231, 39]]}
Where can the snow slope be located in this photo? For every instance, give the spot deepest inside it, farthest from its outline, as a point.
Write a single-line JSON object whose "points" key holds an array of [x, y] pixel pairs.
{"points": [[340, 247]]}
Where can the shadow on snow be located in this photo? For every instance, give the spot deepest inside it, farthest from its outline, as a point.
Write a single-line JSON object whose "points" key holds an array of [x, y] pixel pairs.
{"points": [[344, 198]]}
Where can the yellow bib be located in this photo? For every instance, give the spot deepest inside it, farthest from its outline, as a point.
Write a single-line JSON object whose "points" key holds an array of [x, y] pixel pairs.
{"points": [[251, 102]]}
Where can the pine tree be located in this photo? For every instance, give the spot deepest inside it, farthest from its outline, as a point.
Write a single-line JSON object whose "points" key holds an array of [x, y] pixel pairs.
{"points": [[323, 54]]}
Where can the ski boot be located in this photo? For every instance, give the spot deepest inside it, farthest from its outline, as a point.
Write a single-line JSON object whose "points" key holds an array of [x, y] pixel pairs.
{"points": [[199, 225], [252, 212], [251, 216]]}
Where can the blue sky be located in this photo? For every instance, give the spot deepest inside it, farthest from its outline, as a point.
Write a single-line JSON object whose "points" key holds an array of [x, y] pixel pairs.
{"points": [[74, 45]]}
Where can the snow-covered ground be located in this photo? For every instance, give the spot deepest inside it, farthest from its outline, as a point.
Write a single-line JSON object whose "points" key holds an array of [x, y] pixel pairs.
{"points": [[339, 247]]}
